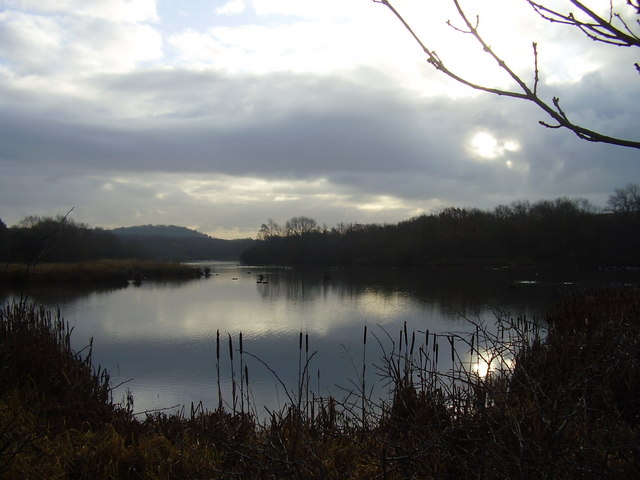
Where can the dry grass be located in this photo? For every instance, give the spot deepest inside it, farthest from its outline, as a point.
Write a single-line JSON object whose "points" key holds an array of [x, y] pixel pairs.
{"points": [[562, 405]]}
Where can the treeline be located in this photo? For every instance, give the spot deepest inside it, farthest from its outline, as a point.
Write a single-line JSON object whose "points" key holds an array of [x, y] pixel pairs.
{"points": [[560, 231], [59, 239]]}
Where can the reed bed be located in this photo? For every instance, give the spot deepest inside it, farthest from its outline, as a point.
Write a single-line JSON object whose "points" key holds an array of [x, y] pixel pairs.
{"points": [[515, 400], [119, 272]]}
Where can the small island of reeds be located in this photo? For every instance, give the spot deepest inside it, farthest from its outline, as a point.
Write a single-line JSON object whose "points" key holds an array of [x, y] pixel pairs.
{"points": [[111, 271]]}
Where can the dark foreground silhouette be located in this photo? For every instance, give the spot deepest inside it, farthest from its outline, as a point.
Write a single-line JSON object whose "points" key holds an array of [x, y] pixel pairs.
{"points": [[560, 401]]}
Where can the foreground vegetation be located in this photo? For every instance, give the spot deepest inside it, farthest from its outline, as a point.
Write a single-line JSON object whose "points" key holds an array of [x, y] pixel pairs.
{"points": [[562, 403]]}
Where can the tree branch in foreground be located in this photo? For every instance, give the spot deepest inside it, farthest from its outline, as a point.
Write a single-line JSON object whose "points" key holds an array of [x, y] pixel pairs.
{"points": [[597, 29]]}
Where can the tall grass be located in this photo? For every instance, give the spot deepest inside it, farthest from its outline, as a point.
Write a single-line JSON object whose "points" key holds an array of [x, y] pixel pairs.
{"points": [[514, 402]]}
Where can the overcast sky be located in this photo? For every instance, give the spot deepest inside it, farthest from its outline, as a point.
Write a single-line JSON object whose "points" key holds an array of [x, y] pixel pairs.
{"points": [[218, 115]]}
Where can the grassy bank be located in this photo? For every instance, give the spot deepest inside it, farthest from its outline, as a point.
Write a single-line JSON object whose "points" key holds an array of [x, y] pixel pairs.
{"points": [[563, 405], [117, 272]]}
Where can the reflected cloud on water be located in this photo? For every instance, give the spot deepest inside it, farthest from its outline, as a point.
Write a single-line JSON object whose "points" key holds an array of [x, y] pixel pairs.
{"points": [[162, 335]]}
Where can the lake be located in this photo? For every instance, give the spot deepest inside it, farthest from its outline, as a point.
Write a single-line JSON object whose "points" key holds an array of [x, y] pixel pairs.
{"points": [[159, 340]]}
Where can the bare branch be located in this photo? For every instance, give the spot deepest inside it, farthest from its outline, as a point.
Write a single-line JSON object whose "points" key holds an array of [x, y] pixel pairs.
{"points": [[536, 76], [434, 60], [599, 30]]}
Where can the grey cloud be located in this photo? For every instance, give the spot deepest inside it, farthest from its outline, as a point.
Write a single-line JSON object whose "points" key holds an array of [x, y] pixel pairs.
{"points": [[348, 127], [365, 137]]}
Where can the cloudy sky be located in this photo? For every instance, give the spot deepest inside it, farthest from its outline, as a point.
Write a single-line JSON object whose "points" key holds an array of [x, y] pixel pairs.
{"points": [[218, 115]]}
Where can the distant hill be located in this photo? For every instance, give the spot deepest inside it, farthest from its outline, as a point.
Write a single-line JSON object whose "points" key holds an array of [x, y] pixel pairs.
{"points": [[159, 230], [171, 242]]}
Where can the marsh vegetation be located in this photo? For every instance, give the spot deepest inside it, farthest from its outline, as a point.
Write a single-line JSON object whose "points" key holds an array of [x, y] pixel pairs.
{"points": [[561, 402], [112, 272]]}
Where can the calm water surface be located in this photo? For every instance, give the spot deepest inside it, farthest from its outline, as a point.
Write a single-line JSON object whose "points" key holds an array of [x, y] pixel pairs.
{"points": [[160, 338]]}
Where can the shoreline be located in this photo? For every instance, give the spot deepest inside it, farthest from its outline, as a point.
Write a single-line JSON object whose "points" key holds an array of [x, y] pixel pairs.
{"points": [[114, 272]]}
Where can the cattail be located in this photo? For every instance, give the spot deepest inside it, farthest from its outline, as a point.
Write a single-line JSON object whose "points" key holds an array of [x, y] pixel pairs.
{"points": [[364, 369], [246, 381], [300, 380], [406, 338], [218, 368], [307, 380], [233, 375], [241, 375], [453, 350], [413, 340]]}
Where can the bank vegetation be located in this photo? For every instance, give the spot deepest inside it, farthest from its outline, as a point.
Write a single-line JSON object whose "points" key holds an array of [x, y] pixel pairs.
{"points": [[113, 272]]}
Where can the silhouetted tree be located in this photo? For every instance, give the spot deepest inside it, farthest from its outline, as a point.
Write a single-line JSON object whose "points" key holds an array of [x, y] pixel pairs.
{"points": [[616, 29], [300, 226], [343, 228], [269, 229], [625, 200]]}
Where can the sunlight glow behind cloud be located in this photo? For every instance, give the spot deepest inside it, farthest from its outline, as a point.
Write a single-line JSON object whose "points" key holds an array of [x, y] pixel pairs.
{"points": [[486, 146]]}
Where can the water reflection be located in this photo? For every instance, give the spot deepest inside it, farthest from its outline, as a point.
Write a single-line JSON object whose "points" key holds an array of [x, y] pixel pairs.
{"points": [[162, 335]]}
